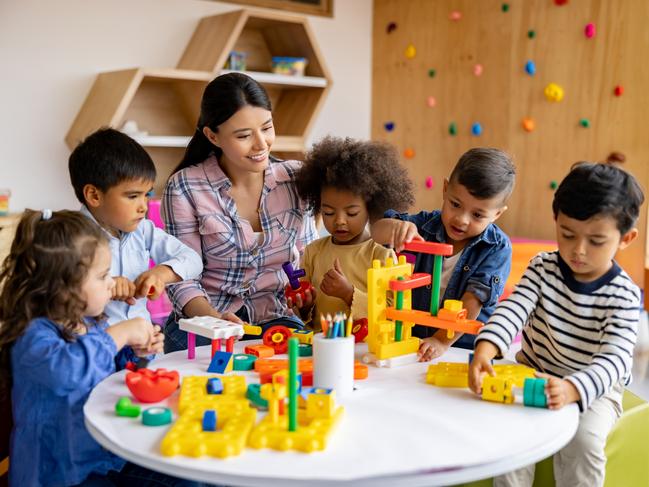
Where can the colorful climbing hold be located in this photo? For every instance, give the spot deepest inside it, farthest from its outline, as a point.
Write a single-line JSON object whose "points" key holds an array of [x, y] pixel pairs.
{"points": [[455, 15], [530, 67], [504, 7], [429, 182], [452, 128], [589, 30], [476, 129], [388, 126], [531, 34], [553, 92], [392, 26], [619, 90], [584, 122], [431, 73], [554, 185], [477, 70], [411, 52], [528, 124], [560, 2], [409, 153], [430, 101]]}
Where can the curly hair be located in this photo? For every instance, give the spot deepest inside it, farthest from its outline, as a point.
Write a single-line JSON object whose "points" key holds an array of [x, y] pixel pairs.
{"points": [[42, 276], [368, 169]]}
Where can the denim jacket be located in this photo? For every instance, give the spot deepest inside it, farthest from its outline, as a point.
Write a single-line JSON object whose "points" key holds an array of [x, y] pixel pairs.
{"points": [[482, 268]]}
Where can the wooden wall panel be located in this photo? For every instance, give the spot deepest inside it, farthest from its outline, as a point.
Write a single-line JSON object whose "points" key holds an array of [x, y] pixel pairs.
{"points": [[587, 69]]}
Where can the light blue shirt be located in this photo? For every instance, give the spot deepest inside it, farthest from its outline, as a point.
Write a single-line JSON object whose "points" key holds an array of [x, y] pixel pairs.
{"points": [[52, 380], [131, 253]]}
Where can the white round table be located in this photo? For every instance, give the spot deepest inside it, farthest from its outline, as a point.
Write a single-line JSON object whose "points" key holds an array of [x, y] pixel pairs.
{"points": [[396, 430]]}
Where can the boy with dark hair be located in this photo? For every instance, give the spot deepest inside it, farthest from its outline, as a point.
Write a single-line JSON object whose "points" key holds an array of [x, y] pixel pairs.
{"points": [[579, 314], [475, 195], [113, 176]]}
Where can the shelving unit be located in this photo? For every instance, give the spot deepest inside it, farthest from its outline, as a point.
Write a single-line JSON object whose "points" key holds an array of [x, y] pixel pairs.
{"points": [[165, 103]]}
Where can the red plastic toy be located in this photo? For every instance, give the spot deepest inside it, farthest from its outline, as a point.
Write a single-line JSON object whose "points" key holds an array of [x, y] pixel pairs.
{"points": [[359, 330], [152, 385], [295, 287], [277, 337]]}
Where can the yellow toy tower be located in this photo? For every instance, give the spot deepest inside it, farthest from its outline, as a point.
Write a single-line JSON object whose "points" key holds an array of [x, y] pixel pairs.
{"points": [[389, 339]]}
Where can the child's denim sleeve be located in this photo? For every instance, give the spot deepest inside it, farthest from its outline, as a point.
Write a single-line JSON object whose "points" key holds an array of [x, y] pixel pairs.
{"points": [[418, 219], [487, 282], [45, 358]]}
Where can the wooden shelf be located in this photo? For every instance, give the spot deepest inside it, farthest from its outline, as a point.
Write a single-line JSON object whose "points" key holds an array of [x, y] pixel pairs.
{"points": [[284, 80], [165, 102]]}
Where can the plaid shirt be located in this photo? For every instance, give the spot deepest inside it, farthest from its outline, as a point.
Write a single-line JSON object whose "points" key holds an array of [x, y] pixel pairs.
{"points": [[239, 269]]}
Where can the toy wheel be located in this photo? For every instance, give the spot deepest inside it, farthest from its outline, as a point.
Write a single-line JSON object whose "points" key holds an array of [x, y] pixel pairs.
{"points": [[277, 337]]}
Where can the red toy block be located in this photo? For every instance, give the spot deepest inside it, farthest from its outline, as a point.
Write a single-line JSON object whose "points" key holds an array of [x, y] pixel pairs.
{"points": [[432, 248], [415, 281], [152, 385]]}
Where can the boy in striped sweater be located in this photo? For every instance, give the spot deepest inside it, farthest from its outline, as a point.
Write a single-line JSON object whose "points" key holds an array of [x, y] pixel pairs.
{"points": [[579, 312]]}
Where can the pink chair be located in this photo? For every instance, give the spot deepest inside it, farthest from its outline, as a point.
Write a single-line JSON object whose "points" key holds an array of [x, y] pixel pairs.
{"points": [[160, 308]]}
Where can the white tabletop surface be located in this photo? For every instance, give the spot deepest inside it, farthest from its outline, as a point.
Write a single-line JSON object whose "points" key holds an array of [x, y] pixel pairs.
{"points": [[396, 429]]}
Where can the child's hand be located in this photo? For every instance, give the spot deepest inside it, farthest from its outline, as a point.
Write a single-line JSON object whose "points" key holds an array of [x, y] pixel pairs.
{"points": [[306, 303], [431, 348], [124, 290], [155, 346], [149, 284], [136, 333], [481, 365], [394, 233], [559, 392], [334, 283]]}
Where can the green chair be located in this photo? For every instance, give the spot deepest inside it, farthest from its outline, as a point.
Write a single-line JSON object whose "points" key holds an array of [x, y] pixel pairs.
{"points": [[627, 450]]}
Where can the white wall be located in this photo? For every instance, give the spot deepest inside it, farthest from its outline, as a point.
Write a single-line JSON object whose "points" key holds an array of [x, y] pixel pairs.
{"points": [[50, 52]]}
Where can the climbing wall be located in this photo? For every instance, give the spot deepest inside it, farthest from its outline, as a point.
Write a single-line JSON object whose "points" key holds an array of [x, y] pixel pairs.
{"points": [[454, 74]]}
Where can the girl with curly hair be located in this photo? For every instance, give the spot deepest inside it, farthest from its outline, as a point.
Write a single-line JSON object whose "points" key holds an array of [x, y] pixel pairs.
{"points": [[350, 183], [56, 346]]}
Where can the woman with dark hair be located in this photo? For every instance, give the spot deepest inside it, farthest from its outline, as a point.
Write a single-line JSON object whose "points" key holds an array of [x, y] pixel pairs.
{"points": [[239, 208]]}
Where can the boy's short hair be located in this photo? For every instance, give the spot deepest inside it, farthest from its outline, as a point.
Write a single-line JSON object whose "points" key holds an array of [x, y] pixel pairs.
{"points": [[592, 189], [485, 172], [106, 158]]}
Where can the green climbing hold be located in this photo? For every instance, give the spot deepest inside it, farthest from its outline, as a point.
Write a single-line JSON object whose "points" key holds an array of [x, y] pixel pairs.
{"points": [[584, 122], [531, 34], [505, 7], [554, 185], [452, 129], [431, 73]]}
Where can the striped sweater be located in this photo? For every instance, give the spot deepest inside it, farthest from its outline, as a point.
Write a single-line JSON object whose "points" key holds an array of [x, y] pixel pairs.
{"points": [[583, 332]]}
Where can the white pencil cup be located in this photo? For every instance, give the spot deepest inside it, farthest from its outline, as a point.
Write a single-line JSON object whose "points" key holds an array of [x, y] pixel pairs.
{"points": [[333, 364]]}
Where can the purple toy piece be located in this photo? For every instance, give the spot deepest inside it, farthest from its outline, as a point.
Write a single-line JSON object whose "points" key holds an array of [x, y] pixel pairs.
{"points": [[293, 275]]}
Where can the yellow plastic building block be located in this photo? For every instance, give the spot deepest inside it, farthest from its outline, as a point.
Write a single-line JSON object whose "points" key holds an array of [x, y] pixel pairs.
{"points": [[193, 392], [236, 419], [186, 436], [315, 424], [454, 305], [321, 403], [498, 388], [448, 374]]}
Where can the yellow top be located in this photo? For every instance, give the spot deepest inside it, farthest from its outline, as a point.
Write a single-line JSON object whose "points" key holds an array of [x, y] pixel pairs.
{"points": [[355, 260]]}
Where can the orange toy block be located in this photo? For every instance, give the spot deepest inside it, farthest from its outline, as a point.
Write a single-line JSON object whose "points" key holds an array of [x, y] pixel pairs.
{"points": [[260, 351], [426, 319]]}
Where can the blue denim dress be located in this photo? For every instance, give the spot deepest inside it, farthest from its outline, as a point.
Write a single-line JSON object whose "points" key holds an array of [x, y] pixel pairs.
{"points": [[52, 380]]}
